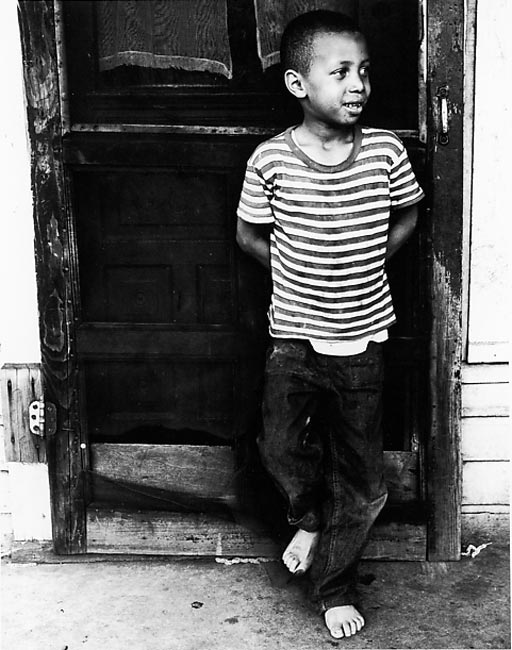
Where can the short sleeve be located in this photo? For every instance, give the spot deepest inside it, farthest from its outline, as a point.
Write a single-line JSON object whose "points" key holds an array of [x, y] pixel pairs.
{"points": [[254, 205], [403, 186]]}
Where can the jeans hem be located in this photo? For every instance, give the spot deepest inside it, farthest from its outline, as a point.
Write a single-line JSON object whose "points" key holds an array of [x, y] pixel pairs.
{"points": [[341, 601], [309, 522]]}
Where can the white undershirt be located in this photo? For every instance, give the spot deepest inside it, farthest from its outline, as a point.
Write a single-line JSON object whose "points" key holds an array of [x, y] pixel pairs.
{"points": [[347, 348]]}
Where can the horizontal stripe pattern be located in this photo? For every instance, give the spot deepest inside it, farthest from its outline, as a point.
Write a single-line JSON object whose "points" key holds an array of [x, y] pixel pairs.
{"points": [[330, 230]]}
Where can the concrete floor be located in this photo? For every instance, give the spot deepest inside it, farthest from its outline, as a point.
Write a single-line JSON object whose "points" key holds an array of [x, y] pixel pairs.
{"points": [[94, 603]]}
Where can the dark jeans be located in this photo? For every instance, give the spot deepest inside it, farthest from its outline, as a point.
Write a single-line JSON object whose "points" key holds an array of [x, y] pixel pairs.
{"points": [[322, 444]]}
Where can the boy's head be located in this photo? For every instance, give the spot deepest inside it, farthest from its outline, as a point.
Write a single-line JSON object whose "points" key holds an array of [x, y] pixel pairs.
{"points": [[326, 67], [298, 39]]}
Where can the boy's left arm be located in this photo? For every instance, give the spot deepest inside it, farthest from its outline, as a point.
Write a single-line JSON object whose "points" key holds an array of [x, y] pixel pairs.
{"points": [[404, 222]]}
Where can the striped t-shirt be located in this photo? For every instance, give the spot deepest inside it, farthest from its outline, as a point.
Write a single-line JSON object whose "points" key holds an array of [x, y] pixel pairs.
{"points": [[329, 236]]}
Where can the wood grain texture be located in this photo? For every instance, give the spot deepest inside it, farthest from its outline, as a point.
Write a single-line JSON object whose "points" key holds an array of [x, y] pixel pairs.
{"points": [[20, 384], [209, 473], [162, 533], [445, 22], [55, 274]]}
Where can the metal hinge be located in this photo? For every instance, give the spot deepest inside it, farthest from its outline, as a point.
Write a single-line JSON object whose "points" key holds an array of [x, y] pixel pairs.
{"points": [[42, 418]]}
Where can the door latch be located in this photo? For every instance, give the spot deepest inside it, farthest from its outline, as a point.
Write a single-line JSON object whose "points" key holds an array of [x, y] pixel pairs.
{"points": [[442, 95], [42, 418]]}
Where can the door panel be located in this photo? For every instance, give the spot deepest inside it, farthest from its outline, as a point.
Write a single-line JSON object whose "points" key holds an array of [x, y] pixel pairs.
{"points": [[168, 350], [141, 399], [172, 325], [132, 101]]}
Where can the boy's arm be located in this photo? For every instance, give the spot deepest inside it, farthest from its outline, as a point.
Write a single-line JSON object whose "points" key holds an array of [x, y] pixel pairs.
{"points": [[404, 222], [254, 240]]}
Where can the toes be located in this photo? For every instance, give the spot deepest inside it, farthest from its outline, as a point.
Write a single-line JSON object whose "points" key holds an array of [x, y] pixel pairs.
{"points": [[348, 629], [343, 623], [291, 562], [337, 633]]}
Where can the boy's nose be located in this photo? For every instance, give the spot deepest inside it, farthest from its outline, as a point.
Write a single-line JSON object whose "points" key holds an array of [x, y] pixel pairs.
{"points": [[356, 84]]}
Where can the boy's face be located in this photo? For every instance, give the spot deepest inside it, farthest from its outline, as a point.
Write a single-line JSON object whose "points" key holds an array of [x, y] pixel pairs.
{"points": [[337, 85]]}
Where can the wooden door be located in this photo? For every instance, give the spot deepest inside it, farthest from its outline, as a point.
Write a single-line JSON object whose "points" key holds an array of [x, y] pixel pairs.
{"points": [[162, 321]]}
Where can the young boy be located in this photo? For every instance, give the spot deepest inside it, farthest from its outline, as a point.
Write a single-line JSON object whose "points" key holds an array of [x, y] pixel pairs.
{"points": [[340, 199]]}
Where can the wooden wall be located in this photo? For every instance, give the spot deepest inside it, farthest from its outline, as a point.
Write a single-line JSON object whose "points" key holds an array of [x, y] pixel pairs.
{"points": [[486, 394], [485, 453], [24, 487], [488, 281], [20, 384]]}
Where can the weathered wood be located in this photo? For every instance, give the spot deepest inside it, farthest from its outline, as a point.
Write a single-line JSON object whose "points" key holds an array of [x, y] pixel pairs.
{"points": [[200, 471], [401, 473], [164, 533], [56, 275], [20, 384], [486, 483], [209, 473], [485, 400], [486, 439], [196, 129], [445, 23], [397, 541]]}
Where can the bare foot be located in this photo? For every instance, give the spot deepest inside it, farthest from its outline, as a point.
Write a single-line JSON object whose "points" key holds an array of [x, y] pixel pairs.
{"points": [[343, 621], [299, 553]]}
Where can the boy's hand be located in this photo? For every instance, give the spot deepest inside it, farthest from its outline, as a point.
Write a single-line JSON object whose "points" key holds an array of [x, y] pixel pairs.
{"points": [[254, 240], [404, 222]]}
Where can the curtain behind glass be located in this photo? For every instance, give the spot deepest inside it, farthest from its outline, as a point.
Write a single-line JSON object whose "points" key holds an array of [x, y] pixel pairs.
{"points": [[273, 15], [185, 34]]}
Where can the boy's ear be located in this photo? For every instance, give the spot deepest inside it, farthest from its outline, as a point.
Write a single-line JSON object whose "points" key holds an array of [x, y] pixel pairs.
{"points": [[295, 84]]}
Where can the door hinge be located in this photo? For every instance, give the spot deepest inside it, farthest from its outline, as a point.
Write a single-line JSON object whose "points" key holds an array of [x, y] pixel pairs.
{"points": [[42, 418]]}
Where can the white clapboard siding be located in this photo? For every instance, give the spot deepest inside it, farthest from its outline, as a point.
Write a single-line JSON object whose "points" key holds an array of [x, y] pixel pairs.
{"points": [[485, 400], [486, 439], [489, 290], [486, 483], [486, 434], [485, 373]]}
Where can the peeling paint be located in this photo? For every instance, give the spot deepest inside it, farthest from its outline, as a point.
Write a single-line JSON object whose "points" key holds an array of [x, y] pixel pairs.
{"points": [[242, 560], [53, 323], [55, 247]]}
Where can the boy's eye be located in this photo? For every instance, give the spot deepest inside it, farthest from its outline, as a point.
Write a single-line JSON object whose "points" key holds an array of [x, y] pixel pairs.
{"points": [[365, 71], [340, 74]]}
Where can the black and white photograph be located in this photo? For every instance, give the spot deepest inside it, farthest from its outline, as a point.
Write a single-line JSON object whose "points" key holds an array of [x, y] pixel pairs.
{"points": [[254, 331]]}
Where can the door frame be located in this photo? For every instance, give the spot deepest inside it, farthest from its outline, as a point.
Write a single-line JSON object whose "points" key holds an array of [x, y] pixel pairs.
{"points": [[58, 288]]}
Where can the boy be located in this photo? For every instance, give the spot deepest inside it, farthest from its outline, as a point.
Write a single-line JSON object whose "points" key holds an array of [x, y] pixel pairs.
{"points": [[327, 187]]}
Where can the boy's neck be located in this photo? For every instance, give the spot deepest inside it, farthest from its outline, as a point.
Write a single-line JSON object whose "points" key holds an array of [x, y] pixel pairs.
{"points": [[325, 144], [323, 134]]}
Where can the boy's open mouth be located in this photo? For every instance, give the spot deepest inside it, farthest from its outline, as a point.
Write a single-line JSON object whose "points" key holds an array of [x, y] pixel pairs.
{"points": [[355, 108]]}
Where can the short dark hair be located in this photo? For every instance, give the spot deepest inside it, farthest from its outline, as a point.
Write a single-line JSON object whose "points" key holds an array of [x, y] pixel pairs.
{"points": [[299, 34]]}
